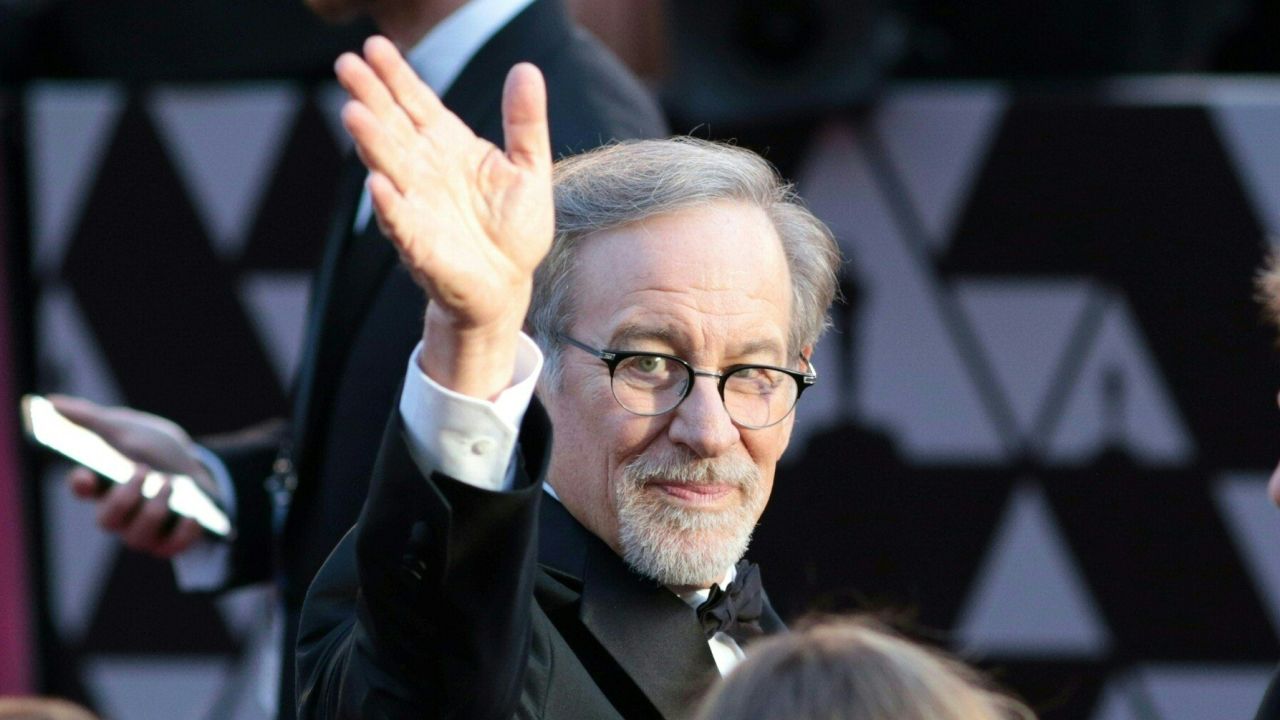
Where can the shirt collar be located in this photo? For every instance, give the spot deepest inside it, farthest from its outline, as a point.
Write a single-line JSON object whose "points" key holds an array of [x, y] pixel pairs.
{"points": [[440, 56]]}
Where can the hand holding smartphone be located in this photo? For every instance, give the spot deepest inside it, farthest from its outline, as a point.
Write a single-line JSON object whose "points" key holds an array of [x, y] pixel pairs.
{"points": [[51, 429]]}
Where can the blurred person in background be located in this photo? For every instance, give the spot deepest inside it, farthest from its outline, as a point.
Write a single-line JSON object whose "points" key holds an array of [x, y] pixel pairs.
{"points": [[854, 669], [294, 488]]}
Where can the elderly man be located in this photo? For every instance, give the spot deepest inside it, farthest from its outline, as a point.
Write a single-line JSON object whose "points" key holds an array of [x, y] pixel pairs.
{"points": [[676, 311]]}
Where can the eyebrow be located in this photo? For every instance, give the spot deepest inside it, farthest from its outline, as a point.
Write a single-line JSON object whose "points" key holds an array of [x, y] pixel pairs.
{"points": [[623, 337], [627, 334]]}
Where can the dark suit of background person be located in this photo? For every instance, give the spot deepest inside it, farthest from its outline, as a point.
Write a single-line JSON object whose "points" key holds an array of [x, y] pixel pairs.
{"points": [[367, 313]]}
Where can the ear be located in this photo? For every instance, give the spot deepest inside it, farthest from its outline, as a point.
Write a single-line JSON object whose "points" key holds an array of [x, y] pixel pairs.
{"points": [[787, 425]]}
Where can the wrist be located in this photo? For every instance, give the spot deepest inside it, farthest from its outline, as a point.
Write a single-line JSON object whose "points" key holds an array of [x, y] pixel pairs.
{"points": [[477, 360]]}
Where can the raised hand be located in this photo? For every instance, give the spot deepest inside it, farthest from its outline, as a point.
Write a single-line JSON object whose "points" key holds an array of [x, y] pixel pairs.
{"points": [[470, 221]]}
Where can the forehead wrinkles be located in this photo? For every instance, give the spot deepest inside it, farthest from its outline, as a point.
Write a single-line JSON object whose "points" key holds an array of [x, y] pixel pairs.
{"points": [[721, 261]]}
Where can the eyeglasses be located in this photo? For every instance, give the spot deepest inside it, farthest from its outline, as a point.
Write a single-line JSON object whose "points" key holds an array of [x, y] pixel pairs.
{"points": [[649, 383]]}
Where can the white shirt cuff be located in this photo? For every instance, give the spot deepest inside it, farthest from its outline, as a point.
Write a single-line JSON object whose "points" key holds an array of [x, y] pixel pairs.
{"points": [[206, 565], [468, 439]]}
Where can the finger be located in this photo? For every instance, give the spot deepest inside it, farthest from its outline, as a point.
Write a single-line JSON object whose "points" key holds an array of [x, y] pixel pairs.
{"points": [[524, 118], [377, 149], [370, 90], [362, 83], [184, 534], [395, 216], [388, 205], [84, 483], [147, 530], [121, 502], [418, 102]]}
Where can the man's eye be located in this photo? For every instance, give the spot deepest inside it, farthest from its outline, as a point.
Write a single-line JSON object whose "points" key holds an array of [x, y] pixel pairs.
{"points": [[649, 363]]}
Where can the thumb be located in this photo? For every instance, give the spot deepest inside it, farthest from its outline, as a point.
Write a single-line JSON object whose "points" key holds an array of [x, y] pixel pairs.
{"points": [[524, 118]]}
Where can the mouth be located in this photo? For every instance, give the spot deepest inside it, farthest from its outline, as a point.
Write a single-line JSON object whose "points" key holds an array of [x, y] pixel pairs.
{"points": [[694, 494]]}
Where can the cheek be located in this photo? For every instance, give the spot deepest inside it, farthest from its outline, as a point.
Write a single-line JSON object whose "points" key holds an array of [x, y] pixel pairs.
{"points": [[767, 446]]}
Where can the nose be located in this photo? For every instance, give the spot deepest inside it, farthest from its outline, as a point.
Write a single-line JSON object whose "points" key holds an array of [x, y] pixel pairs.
{"points": [[701, 422]]}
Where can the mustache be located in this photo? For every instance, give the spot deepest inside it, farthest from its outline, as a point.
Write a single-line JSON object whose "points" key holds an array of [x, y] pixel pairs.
{"points": [[682, 466]]}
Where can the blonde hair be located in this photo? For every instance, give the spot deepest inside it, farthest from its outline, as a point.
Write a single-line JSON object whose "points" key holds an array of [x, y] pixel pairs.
{"points": [[854, 669], [41, 708]]}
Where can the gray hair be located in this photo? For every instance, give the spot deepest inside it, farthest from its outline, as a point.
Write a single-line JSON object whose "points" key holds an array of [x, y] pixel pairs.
{"points": [[630, 181]]}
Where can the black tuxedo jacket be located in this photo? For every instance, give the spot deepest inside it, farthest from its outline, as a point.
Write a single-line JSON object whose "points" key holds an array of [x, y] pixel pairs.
{"points": [[366, 314], [450, 601]]}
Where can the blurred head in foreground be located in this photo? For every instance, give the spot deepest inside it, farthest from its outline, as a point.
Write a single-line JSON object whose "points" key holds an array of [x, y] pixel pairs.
{"points": [[39, 708], [854, 669]]}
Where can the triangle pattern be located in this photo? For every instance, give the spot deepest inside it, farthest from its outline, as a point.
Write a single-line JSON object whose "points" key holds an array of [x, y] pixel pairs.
{"points": [[906, 367], [1254, 524], [1029, 599], [142, 326], [1250, 132], [69, 357], [79, 555], [224, 143], [1119, 397], [163, 620], [937, 139], [68, 131], [1025, 328], [249, 702], [277, 304], [160, 689], [1195, 692], [1120, 702]]}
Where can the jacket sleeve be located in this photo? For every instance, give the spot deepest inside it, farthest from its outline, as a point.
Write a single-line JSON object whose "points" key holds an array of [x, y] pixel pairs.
{"points": [[424, 608], [248, 456]]}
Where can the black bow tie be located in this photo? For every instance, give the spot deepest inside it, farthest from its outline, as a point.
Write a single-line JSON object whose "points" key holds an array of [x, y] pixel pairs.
{"points": [[736, 609]]}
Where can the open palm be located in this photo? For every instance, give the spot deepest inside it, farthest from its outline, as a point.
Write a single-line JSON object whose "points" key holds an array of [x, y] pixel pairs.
{"points": [[471, 222]]}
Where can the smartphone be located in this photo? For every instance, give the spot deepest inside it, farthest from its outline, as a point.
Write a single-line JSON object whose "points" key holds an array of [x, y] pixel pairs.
{"points": [[50, 428]]}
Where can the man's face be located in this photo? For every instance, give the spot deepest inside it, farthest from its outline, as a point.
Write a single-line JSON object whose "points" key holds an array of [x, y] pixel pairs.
{"points": [[676, 494]]}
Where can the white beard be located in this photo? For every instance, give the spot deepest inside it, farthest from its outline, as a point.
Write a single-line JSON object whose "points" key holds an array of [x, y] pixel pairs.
{"points": [[678, 545]]}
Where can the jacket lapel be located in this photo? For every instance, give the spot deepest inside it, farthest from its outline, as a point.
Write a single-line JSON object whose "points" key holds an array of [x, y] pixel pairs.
{"points": [[652, 635], [650, 632], [340, 237]]}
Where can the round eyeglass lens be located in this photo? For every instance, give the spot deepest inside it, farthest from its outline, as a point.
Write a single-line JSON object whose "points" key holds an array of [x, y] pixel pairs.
{"points": [[649, 384], [758, 397]]}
